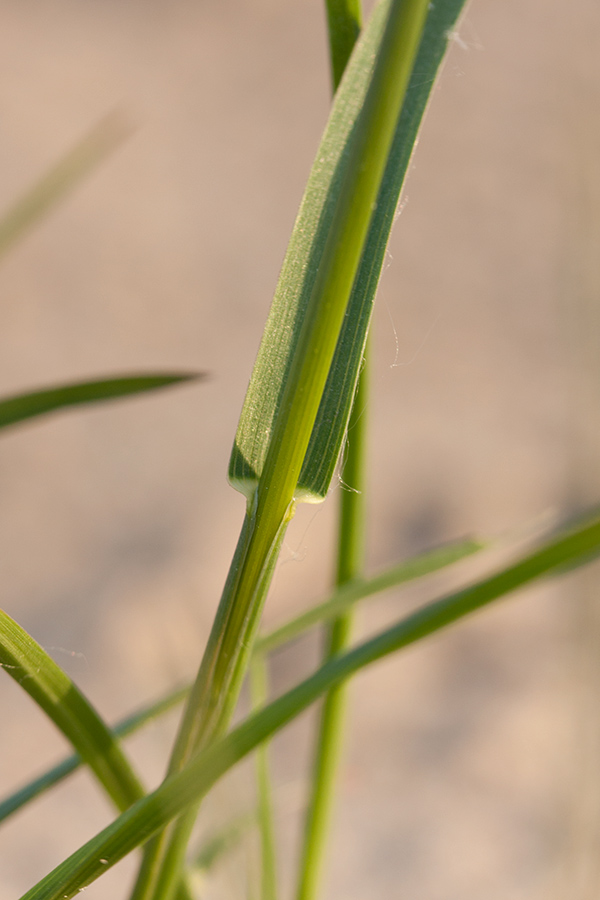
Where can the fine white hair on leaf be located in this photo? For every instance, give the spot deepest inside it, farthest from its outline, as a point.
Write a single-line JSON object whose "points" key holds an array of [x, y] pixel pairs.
{"points": [[409, 362]]}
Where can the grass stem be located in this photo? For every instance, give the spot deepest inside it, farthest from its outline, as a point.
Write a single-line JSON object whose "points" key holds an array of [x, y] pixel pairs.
{"points": [[350, 564]]}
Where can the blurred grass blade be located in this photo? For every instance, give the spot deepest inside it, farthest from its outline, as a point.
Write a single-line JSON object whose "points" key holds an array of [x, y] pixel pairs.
{"points": [[227, 839], [259, 691], [62, 770], [46, 683], [345, 597], [418, 567], [304, 257], [344, 20], [38, 403], [568, 549], [62, 178]]}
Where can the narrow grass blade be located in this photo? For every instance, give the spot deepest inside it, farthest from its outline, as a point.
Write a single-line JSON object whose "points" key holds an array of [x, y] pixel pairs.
{"points": [[341, 600], [304, 258], [259, 693], [328, 743], [345, 597], [54, 692], [213, 850], [61, 179], [62, 770], [344, 20], [47, 400], [567, 550]]}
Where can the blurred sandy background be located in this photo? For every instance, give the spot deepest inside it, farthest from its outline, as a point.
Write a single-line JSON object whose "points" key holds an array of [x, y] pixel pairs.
{"points": [[466, 773]]}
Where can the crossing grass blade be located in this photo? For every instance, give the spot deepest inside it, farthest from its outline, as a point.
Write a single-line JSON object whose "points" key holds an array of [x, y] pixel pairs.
{"points": [[52, 777], [54, 692], [48, 400], [342, 600], [61, 179], [345, 597], [567, 550]]}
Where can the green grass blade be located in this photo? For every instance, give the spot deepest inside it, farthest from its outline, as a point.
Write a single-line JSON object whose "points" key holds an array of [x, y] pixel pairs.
{"points": [[213, 850], [344, 20], [215, 691], [304, 256], [342, 600], [61, 179], [320, 267], [259, 690], [350, 567], [345, 597], [39, 403], [566, 550], [62, 770], [46, 683]]}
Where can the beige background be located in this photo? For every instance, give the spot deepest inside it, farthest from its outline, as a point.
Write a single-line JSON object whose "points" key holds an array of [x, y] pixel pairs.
{"points": [[465, 773]]}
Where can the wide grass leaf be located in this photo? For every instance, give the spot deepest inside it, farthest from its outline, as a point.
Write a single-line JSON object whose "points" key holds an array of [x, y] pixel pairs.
{"points": [[304, 256], [54, 692]]}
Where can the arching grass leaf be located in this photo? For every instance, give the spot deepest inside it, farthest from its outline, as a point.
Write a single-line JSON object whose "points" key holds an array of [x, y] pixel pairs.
{"points": [[54, 692], [38, 403]]}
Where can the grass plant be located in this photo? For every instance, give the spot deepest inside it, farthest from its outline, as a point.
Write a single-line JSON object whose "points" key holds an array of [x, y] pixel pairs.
{"points": [[307, 404]]}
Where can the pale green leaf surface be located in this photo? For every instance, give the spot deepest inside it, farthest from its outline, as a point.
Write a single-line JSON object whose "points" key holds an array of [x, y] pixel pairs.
{"points": [[46, 683], [304, 254], [47, 400], [187, 787]]}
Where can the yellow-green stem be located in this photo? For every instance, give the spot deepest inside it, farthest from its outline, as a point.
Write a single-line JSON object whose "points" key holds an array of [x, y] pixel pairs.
{"points": [[350, 564], [216, 689], [215, 693], [344, 22]]}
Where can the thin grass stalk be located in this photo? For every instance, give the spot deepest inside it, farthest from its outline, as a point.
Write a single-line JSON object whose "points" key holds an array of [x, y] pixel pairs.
{"points": [[344, 21], [272, 504], [259, 689], [350, 565], [213, 695], [344, 598]]}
